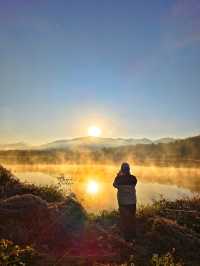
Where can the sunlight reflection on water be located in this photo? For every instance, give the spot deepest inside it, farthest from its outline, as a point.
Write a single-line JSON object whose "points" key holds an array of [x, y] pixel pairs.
{"points": [[171, 183]]}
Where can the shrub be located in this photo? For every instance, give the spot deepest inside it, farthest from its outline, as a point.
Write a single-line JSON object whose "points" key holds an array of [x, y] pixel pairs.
{"points": [[11, 254], [164, 260], [106, 218], [48, 193], [6, 177], [10, 186]]}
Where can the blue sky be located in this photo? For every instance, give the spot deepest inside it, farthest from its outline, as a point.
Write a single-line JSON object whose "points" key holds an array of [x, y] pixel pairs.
{"points": [[130, 67]]}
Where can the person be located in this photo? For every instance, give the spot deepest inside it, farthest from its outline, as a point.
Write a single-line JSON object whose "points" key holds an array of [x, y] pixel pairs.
{"points": [[125, 183]]}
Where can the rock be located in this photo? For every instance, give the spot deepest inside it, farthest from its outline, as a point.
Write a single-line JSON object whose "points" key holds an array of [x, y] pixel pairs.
{"points": [[29, 219]]}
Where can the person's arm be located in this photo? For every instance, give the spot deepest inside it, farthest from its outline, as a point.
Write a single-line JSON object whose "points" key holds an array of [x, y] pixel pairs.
{"points": [[115, 183], [135, 180]]}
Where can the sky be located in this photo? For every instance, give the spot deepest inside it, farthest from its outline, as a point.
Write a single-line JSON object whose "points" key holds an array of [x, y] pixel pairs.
{"points": [[130, 67]]}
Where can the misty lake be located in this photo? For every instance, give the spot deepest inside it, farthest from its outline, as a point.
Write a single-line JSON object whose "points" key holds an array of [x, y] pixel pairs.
{"points": [[92, 184]]}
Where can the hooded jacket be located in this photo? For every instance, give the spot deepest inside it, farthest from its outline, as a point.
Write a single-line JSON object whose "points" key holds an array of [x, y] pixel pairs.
{"points": [[125, 184]]}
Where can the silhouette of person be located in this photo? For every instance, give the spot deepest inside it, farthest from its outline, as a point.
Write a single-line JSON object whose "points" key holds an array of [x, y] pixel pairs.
{"points": [[125, 183]]}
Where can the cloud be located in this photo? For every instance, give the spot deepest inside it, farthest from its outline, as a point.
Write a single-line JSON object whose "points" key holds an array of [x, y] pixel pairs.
{"points": [[183, 24]]}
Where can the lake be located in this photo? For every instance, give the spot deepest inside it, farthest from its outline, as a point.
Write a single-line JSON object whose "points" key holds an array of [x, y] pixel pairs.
{"points": [[92, 184]]}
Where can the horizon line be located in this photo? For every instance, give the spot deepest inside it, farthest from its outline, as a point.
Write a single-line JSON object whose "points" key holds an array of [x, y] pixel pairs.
{"points": [[100, 137]]}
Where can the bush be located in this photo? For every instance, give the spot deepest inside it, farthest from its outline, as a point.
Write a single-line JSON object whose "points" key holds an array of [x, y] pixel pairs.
{"points": [[106, 218], [10, 186], [48, 193], [6, 177], [165, 260], [11, 254]]}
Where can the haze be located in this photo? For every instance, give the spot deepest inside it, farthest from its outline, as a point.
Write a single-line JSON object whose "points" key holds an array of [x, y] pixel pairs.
{"points": [[92, 184]]}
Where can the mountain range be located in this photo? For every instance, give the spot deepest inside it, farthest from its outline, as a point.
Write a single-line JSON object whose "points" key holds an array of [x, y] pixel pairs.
{"points": [[85, 142]]}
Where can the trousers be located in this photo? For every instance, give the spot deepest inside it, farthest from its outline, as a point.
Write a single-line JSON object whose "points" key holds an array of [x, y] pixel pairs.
{"points": [[128, 221]]}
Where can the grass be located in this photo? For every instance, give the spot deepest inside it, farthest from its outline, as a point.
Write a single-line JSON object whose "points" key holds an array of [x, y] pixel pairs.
{"points": [[167, 232]]}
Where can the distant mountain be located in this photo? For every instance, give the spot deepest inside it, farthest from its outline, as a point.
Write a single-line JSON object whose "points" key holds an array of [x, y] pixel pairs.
{"points": [[164, 140], [96, 142], [85, 143], [181, 152], [14, 146], [93, 143]]}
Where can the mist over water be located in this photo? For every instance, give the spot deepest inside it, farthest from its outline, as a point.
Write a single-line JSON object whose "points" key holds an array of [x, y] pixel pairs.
{"points": [[153, 181]]}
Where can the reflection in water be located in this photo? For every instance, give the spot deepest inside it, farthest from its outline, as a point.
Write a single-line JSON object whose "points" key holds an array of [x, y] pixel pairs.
{"points": [[37, 178], [93, 183], [146, 193], [92, 187]]}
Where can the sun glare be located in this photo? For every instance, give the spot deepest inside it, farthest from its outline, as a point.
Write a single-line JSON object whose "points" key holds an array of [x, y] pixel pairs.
{"points": [[92, 187], [94, 131]]}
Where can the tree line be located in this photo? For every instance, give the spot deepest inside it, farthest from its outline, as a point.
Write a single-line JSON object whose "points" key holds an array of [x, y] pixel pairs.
{"points": [[180, 152]]}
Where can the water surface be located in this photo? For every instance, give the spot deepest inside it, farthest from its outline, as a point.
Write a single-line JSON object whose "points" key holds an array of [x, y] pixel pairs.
{"points": [[170, 182]]}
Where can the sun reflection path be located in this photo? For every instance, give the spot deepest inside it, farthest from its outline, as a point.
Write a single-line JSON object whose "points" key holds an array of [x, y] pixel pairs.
{"points": [[92, 187]]}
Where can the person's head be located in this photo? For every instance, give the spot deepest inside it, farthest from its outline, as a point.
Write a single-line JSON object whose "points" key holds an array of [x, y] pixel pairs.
{"points": [[125, 169]]}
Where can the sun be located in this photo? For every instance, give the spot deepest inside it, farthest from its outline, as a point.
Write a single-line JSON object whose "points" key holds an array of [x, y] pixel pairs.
{"points": [[94, 131], [92, 187]]}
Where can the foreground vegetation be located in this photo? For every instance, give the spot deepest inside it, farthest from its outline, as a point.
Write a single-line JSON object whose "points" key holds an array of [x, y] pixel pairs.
{"points": [[11, 186], [39, 227], [11, 254]]}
